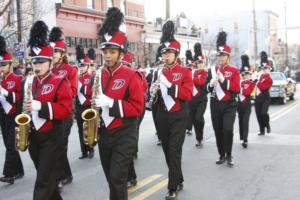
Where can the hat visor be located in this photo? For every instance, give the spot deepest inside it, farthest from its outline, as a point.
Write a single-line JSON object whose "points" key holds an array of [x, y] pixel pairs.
{"points": [[4, 63], [169, 50], [40, 59], [108, 45], [223, 53], [83, 65]]}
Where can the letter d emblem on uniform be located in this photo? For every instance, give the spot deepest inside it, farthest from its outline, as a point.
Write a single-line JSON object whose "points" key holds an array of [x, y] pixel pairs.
{"points": [[47, 89], [118, 84]]}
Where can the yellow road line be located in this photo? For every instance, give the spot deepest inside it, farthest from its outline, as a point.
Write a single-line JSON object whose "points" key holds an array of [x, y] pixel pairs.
{"points": [[144, 182], [152, 190]]}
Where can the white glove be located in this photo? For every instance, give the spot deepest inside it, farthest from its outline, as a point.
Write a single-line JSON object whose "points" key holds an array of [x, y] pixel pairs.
{"points": [[36, 105], [212, 83], [221, 77], [104, 101], [4, 92], [165, 81]]}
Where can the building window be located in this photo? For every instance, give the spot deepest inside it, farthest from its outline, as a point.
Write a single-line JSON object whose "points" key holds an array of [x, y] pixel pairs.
{"points": [[84, 43], [73, 42], [95, 43], [68, 42], [109, 3], [90, 4], [236, 27], [78, 41]]}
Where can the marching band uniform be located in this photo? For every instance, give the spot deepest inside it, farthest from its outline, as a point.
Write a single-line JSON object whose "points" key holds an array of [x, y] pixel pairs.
{"points": [[223, 105], [122, 104], [9, 98], [244, 101], [262, 99], [175, 91], [83, 102], [51, 104], [64, 70]]}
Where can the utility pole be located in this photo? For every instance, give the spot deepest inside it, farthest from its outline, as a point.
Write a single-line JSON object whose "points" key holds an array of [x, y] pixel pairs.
{"points": [[254, 33], [167, 9], [19, 26], [286, 39]]}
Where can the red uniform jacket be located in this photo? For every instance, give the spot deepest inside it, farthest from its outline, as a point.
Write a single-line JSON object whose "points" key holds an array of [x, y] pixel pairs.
{"points": [[70, 73], [247, 88], [125, 87], [199, 80], [144, 82], [12, 83], [182, 85], [264, 84], [86, 88], [56, 97]]}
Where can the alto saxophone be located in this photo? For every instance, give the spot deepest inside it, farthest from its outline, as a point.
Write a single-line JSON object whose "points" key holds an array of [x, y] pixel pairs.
{"points": [[23, 120], [91, 116]]}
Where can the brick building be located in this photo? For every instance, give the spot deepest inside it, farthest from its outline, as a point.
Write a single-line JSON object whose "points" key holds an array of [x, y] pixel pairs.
{"points": [[81, 19]]}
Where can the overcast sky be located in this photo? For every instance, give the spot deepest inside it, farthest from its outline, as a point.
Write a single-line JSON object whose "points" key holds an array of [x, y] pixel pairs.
{"points": [[192, 8]]}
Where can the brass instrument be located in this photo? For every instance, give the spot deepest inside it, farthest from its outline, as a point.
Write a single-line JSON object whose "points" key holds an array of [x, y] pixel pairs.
{"points": [[91, 116], [23, 120]]}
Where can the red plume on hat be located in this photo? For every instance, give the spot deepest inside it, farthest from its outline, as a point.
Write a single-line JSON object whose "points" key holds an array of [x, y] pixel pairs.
{"points": [[56, 39], [4, 55], [38, 41], [167, 39], [110, 34], [222, 47]]}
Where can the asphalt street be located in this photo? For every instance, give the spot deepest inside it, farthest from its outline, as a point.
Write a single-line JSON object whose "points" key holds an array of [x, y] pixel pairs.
{"points": [[267, 170]]}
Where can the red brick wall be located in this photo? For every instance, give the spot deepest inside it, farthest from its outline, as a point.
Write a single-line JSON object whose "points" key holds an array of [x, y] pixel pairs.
{"points": [[134, 10], [81, 3]]}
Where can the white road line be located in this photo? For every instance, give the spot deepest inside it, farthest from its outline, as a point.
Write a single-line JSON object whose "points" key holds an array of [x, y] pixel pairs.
{"points": [[285, 111]]}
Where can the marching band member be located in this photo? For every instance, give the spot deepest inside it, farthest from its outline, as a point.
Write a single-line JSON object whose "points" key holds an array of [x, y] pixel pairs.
{"points": [[189, 62], [62, 69], [244, 101], [175, 83], [51, 103], [199, 101], [262, 99], [92, 56], [9, 98], [122, 103], [224, 84], [83, 100]]}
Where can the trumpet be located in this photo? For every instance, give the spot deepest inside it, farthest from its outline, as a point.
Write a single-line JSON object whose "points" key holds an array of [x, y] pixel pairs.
{"points": [[91, 116], [23, 120]]}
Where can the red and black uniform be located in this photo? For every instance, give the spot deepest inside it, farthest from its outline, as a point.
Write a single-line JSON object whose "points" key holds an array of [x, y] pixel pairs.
{"points": [[262, 101], [46, 142], [68, 72], [118, 142], [13, 164], [85, 90], [198, 103], [223, 110], [244, 108], [171, 124]]}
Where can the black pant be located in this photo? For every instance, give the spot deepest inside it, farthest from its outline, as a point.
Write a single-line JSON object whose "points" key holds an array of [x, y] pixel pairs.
{"points": [[12, 164], [154, 116], [117, 148], [172, 126], [79, 120], [244, 111], [223, 117], [44, 150], [261, 109], [64, 166], [197, 109]]}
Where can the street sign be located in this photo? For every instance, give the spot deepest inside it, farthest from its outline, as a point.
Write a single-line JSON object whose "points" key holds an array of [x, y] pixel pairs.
{"points": [[19, 50]]}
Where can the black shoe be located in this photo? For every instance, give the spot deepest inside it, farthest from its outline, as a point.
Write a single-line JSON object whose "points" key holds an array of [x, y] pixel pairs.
{"points": [[7, 179], [268, 129], [131, 183], [245, 144], [199, 144], [91, 154], [67, 180], [171, 195], [221, 160], [261, 133], [83, 156], [230, 162], [188, 132], [179, 187], [18, 176], [158, 143]]}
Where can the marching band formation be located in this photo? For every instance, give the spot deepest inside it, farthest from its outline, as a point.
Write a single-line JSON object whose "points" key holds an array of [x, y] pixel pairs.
{"points": [[109, 104]]}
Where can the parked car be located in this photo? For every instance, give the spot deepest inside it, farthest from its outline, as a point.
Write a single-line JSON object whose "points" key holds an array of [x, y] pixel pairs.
{"points": [[282, 87]]}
